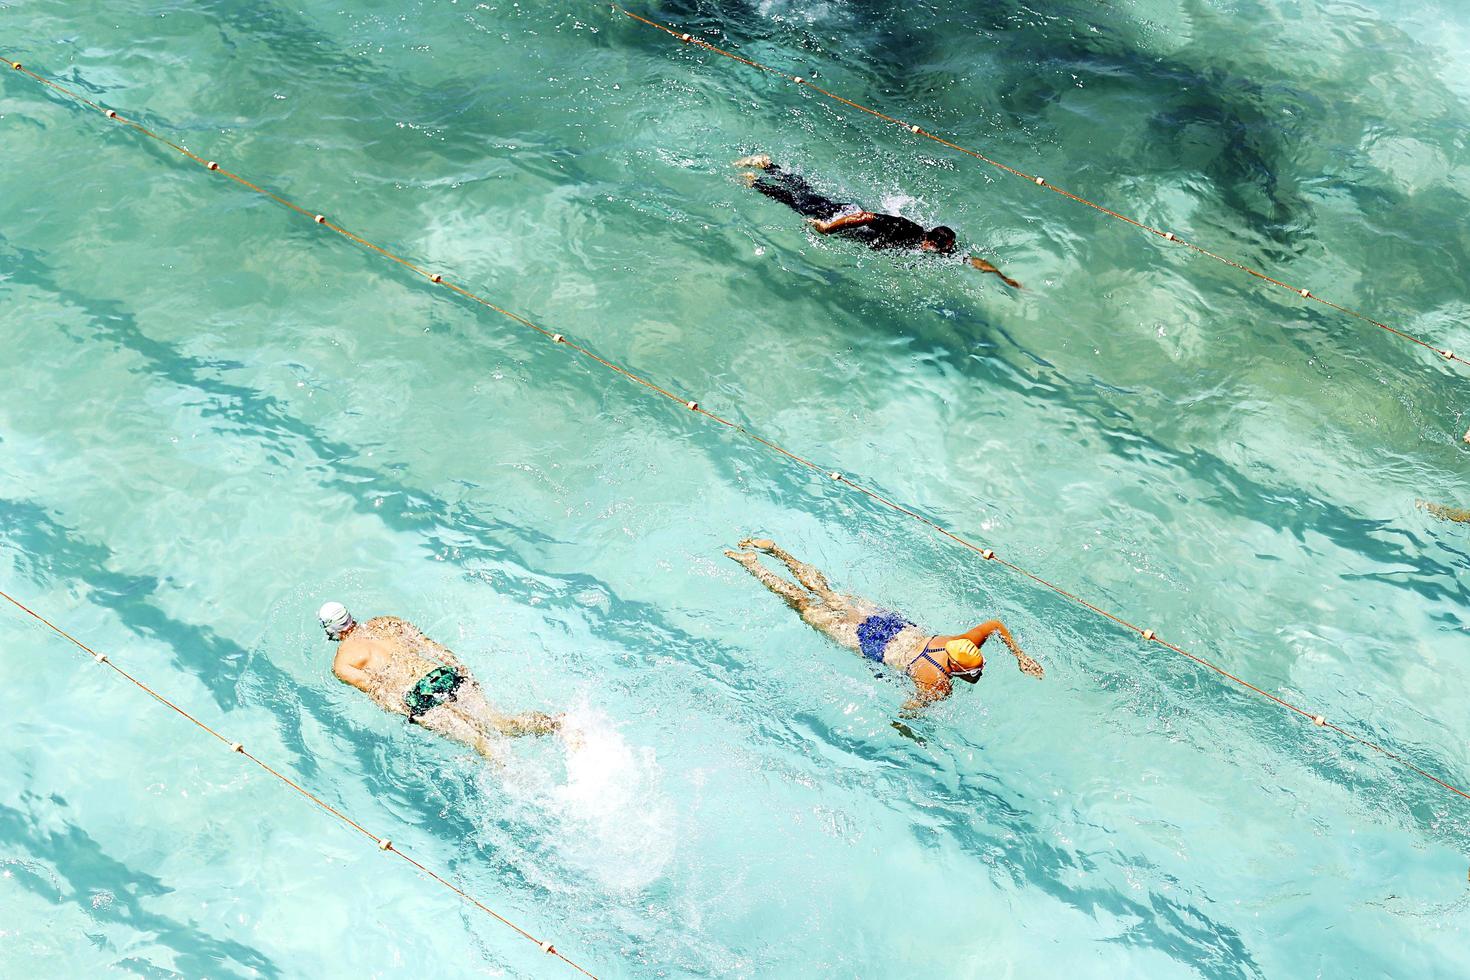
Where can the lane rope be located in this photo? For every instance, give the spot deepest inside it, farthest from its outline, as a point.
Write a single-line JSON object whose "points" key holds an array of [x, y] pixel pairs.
{"points": [[1038, 181], [1149, 635]]}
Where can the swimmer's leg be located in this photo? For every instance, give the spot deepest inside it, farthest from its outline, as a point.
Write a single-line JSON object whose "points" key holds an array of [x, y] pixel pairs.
{"points": [[796, 597], [810, 577], [834, 623], [470, 704], [795, 192], [442, 720]]}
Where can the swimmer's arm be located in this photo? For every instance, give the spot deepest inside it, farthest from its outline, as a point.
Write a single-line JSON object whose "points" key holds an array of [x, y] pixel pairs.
{"points": [[348, 672], [979, 634], [926, 695], [984, 266], [855, 220]]}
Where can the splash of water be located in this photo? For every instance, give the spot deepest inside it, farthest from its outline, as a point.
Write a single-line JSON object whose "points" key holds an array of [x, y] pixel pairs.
{"points": [[601, 807]]}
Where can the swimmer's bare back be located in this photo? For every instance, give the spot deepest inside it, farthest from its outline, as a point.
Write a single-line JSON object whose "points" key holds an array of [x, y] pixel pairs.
{"points": [[395, 664]]}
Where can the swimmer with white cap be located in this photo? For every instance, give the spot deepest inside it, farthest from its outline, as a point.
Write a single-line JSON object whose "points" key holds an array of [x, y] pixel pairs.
{"points": [[406, 673]]}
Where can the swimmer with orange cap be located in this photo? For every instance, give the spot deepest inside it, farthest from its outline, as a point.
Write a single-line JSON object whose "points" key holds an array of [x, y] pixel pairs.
{"points": [[931, 660], [406, 673]]}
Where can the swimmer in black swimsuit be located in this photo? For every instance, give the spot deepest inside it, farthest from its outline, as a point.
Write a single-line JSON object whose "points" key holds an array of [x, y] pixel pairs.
{"points": [[829, 217]]}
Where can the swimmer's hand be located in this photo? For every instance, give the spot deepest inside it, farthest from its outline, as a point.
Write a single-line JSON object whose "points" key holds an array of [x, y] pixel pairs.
{"points": [[984, 266], [1028, 666], [906, 731], [759, 544]]}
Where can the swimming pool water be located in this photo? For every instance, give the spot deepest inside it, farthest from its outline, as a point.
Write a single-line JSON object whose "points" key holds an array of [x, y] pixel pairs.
{"points": [[213, 417]]}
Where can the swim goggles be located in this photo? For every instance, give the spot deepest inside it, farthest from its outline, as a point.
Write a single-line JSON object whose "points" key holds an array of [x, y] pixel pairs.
{"points": [[973, 674]]}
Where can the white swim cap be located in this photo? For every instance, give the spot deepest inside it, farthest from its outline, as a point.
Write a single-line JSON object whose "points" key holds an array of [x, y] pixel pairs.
{"points": [[335, 619]]}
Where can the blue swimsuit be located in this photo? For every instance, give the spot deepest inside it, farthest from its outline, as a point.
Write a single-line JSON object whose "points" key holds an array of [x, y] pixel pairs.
{"points": [[875, 633]]}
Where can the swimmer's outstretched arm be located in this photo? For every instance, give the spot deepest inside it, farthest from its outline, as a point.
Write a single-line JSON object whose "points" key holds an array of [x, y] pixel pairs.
{"points": [[984, 266], [915, 705], [981, 633], [855, 220]]}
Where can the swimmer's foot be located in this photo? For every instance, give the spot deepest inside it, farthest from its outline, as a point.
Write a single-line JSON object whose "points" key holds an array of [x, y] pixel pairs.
{"points": [[906, 732], [760, 161], [572, 738]]}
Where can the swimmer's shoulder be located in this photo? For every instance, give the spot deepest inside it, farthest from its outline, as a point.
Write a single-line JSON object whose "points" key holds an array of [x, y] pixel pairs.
{"points": [[353, 655]]}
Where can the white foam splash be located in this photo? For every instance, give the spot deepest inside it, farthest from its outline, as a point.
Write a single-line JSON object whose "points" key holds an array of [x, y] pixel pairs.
{"points": [[605, 814]]}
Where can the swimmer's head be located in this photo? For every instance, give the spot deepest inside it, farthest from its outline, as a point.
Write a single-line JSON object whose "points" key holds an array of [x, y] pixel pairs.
{"points": [[940, 239], [335, 620], [966, 661]]}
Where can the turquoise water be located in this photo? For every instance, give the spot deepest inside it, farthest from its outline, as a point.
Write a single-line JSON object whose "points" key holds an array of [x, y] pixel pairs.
{"points": [[213, 416]]}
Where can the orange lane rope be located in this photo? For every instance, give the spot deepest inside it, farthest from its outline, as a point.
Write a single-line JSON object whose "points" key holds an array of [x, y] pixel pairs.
{"points": [[693, 406], [383, 843], [1039, 181]]}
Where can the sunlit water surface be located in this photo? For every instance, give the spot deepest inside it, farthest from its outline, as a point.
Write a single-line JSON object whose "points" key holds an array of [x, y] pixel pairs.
{"points": [[214, 415]]}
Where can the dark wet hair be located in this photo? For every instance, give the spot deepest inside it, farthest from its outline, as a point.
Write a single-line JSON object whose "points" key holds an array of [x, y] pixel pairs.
{"points": [[941, 237]]}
